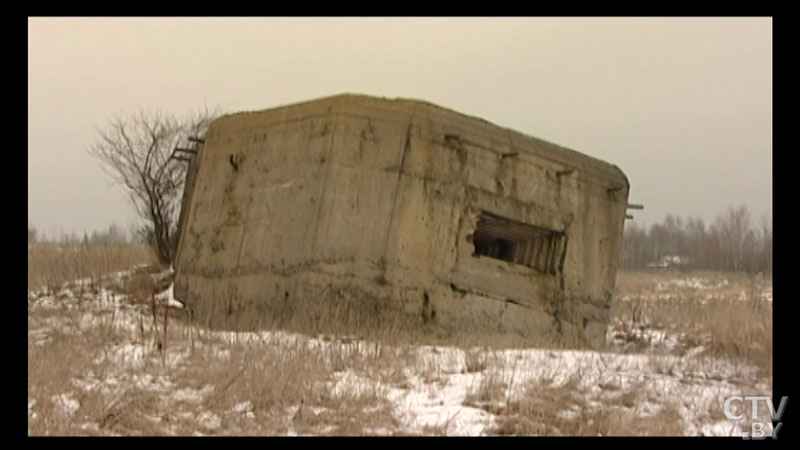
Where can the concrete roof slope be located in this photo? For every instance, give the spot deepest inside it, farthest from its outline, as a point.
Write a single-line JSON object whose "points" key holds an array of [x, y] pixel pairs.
{"points": [[420, 113]]}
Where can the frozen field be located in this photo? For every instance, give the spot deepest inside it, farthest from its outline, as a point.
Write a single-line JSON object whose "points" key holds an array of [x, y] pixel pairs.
{"points": [[105, 363]]}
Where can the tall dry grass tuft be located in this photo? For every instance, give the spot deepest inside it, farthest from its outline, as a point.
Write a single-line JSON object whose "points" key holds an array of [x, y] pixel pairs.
{"points": [[362, 316], [339, 315], [563, 410], [289, 388]]}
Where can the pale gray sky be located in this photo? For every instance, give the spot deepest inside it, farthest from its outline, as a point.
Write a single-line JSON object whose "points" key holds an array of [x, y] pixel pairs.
{"points": [[682, 105]]}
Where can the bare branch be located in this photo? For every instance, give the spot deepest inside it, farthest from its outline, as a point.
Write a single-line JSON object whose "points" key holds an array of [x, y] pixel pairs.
{"points": [[135, 151]]}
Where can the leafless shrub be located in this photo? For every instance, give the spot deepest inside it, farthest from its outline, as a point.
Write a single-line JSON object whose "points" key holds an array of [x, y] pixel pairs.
{"points": [[136, 151]]}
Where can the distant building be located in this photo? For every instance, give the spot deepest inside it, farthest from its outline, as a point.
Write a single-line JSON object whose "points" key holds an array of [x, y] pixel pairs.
{"points": [[452, 218]]}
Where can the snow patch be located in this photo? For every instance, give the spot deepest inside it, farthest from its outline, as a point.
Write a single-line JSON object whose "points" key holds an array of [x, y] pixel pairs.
{"points": [[244, 408], [209, 420], [690, 283], [167, 297], [66, 402], [195, 396]]}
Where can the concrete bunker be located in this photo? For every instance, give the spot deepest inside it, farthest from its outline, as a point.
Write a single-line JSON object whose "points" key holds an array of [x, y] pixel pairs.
{"points": [[404, 204]]}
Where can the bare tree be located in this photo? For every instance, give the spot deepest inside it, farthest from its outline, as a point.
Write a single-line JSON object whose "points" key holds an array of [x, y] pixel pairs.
{"points": [[766, 242], [31, 233], [734, 228], [696, 241], [136, 151], [114, 234], [730, 243], [634, 246], [659, 237]]}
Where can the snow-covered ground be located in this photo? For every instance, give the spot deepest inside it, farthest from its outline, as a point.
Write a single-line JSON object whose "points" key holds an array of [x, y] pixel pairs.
{"points": [[690, 282], [420, 390], [705, 289]]}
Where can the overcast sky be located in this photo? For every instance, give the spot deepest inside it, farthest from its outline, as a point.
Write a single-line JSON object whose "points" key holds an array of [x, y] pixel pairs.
{"points": [[682, 105]]}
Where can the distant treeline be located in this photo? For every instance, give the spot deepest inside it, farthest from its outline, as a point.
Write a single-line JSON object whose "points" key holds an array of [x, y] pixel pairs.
{"points": [[735, 241], [113, 234]]}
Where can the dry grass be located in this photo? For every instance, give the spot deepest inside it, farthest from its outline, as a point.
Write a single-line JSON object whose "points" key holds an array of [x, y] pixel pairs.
{"points": [[359, 316], [52, 265], [475, 360], [563, 410], [642, 283], [50, 368], [229, 387], [289, 389], [729, 319], [70, 352], [342, 315], [489, 392], [151, 375], [214, 386], [184, 379]]}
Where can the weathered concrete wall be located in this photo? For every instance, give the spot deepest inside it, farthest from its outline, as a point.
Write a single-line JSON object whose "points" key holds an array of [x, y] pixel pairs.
{"points": [[380, 196]]}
